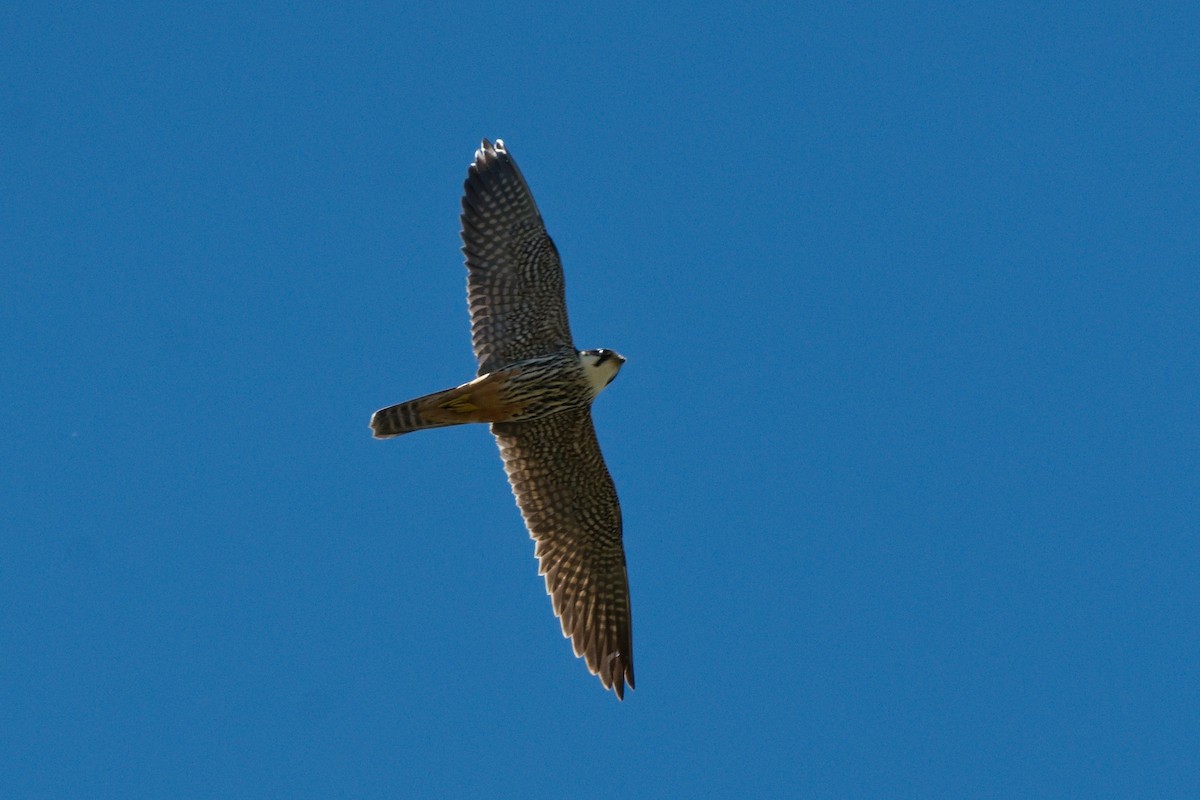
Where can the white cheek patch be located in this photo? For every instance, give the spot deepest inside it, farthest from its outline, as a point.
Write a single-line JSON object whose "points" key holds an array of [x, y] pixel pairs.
{"points": [[599, 376]]}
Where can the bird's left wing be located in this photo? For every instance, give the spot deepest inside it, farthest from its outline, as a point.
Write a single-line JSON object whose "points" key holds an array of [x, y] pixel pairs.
{"points": [[570, 506]]}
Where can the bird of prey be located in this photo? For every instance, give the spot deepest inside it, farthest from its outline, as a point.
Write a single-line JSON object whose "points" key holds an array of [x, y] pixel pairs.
{"points": [[536, 390]]}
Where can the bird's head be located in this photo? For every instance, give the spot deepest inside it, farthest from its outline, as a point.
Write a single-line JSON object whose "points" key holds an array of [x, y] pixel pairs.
{"points": [[600, 366]]}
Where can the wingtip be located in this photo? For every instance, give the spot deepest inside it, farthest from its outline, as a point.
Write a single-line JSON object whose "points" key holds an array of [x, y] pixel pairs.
{"points": [[488, 151], [620, 676], [619, 684]]}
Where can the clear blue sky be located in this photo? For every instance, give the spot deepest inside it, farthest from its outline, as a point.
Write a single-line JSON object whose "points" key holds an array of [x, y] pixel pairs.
{"points": [[907, 443]]}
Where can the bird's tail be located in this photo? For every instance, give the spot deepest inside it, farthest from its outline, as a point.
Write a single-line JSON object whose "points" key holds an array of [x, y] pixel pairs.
{"points": [[407, 417], [471, 402]]}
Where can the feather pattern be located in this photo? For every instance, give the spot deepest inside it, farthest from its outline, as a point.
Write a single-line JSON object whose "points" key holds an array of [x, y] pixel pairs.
{"points": [[569, 503], [515, 287]]}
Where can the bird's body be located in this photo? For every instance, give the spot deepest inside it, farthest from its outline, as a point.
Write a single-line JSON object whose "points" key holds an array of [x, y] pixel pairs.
{"points": [[536, 390], [527, 390]]}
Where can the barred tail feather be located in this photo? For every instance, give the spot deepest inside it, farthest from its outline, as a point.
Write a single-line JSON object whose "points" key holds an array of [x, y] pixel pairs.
{"points": [[408, 417]]}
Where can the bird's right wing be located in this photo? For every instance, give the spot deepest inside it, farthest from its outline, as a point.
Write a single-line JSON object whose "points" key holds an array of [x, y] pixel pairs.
{"points": [[514, 276], [570, 506]]}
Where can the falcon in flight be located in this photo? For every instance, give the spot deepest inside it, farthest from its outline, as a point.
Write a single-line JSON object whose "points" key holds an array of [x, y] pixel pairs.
{"points": [[536, 390]]}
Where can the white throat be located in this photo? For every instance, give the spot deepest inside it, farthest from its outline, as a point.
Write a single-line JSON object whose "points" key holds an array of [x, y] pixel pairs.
{"points": [[599, 375]]}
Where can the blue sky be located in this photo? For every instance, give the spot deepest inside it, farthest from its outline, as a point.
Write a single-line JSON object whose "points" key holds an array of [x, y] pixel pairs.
{"points": [[907, 443]]}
